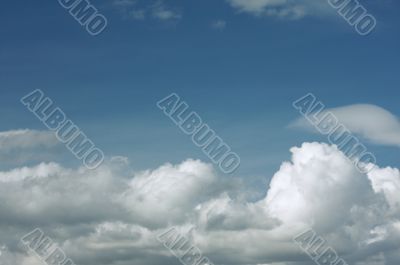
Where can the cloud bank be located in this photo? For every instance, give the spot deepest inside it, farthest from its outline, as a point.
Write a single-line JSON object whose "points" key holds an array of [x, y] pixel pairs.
{"points": [[113, 214]]}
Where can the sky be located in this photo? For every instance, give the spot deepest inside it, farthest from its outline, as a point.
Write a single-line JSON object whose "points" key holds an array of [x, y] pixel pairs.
{"points": [[240, 65]]}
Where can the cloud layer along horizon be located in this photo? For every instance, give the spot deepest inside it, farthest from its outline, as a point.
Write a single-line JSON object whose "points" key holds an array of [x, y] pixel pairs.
{"points": [[112, 215]]}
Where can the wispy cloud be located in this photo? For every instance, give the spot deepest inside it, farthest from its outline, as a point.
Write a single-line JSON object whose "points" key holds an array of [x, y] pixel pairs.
{"points": [[124, 3], [371, 122], [141, 10], [22, 146], [24, 139], [137, 14], [160, 11], [219, 24], [292, 9]]}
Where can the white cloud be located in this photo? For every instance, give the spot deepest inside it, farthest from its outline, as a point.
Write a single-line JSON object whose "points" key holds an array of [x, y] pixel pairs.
{"points": [[369, 121], [387, 181], [293, 9], [42, 170], [168, 194], [319, 188]]}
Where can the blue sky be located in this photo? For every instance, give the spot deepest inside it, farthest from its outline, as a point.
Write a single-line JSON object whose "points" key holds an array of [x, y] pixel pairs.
{"points": [[239, 69], [241, 79]]}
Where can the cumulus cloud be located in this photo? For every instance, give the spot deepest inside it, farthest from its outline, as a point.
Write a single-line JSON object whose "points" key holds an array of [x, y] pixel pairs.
{"points": [[320, 189], [369, 121], [387, 182], [168, 194], [113, 214], [293, 9]]}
